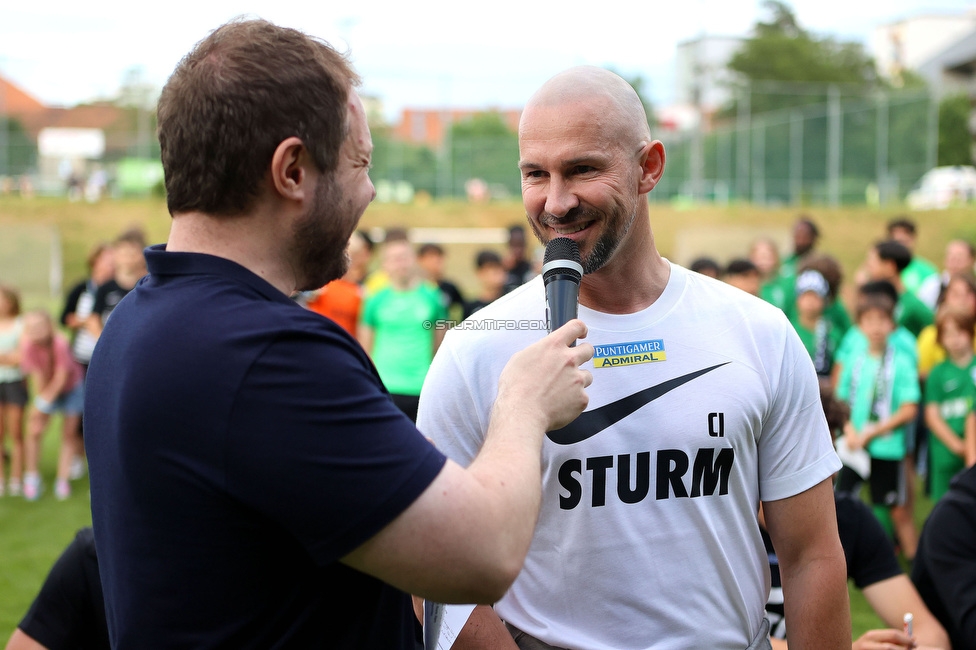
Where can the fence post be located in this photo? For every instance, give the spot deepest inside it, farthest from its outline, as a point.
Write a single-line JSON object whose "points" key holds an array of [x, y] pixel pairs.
{"points": [[759, 163], [796, 157], [833, 146], [743, 142], [932, 151], [881, 153]]}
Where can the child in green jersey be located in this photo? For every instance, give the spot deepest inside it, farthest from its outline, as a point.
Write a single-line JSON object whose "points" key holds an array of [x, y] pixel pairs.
{"points": [[950, 393], [880, 383]]}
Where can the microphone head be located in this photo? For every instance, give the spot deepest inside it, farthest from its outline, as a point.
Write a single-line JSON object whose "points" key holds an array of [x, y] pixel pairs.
{"points": [[563, 258]]}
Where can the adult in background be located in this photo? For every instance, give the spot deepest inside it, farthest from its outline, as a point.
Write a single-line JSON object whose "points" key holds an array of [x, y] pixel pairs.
{"points": [[704, 405], [944, 571], [252, 483]]}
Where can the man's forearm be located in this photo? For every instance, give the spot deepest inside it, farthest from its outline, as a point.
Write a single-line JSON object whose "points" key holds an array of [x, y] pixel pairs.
{"points": [[817, 605]]}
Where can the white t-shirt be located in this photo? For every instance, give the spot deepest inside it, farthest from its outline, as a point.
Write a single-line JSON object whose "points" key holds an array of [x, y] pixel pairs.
{"points": [[701, 405]]}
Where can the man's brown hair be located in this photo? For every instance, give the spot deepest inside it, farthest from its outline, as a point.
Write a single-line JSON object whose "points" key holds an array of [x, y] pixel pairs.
{"points": [[234, 98]]}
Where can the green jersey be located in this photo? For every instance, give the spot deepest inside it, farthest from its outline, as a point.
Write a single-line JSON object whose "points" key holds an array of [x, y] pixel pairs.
{"points": [[403, 334], [916, 273], [822, 343], [953, 389], [912, 314], [875, 387]]}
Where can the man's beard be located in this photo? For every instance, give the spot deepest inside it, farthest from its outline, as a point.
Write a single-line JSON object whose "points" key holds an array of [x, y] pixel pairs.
{"points": [[320, 239], [608, 241]]}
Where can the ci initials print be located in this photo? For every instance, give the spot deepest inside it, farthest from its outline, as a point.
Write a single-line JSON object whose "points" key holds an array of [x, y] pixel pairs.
{"points": [[716, 425]]}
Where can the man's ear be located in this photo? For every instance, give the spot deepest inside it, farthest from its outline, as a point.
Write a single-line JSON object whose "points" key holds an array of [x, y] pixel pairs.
{"points": [[289, 173], [652, 166]]}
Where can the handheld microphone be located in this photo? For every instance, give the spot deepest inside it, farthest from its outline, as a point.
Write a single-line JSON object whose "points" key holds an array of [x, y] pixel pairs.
{"points": [[561, 273]]}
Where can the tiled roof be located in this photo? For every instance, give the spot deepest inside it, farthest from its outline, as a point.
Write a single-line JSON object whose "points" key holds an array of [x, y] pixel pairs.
{"points": [[16, 101]]}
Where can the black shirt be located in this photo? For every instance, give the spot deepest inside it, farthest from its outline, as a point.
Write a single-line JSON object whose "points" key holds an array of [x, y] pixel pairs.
{"points": [[944, 571], [68, 612], [869, 553]]}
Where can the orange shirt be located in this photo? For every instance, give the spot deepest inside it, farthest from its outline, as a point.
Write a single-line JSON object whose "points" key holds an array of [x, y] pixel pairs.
{"points": [[339, 300]]}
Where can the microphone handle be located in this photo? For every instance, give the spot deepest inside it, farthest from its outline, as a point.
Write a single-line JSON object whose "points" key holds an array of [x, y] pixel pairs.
{"points": [[562, 300]]}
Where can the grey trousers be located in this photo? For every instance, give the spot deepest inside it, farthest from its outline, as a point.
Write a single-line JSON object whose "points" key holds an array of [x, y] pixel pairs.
{"points": [[527, 642]]}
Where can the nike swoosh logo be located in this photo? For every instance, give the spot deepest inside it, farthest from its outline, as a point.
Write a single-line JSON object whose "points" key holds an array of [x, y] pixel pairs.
{"points": [[590, 423]]}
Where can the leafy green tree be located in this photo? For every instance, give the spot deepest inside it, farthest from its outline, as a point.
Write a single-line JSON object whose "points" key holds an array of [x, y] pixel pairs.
{"points": [[955, 141], [786, 66]]}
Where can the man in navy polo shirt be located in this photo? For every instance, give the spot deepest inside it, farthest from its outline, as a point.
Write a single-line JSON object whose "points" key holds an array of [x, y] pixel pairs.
{"points": [[252, 483]]}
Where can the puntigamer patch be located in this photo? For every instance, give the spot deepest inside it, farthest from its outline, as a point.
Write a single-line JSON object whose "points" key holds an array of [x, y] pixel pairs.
{"points": [[628, 354]]}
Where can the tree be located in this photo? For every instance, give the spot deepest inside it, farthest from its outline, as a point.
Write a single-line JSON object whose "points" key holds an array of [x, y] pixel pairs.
{"points": [[955, 141], [786, 66]]}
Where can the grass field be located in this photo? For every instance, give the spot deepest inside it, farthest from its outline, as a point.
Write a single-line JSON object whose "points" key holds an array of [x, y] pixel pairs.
{"points": [[33, 534]]}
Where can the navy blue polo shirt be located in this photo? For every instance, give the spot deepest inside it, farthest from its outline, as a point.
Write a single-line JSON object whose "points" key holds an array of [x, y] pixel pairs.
{"points": [[239, 445]]}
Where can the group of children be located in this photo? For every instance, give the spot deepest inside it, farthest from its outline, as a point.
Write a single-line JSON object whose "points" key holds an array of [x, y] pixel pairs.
{"points": [[33, 350], [42, 367], [904, 366]]}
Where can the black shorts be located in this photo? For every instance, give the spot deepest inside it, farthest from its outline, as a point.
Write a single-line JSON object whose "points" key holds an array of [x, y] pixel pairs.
{"points": [[887, 482], [13, 392]]}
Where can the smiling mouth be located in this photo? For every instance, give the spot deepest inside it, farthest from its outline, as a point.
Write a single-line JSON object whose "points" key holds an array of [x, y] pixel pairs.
{"points": [[570, 229]]}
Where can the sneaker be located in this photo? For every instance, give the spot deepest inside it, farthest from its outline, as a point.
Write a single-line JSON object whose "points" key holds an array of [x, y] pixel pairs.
{"points": [[77, 469], [15, 489], [32, 487], [62, 490]]}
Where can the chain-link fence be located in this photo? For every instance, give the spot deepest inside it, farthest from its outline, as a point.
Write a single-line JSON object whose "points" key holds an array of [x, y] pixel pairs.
{"points": [[859, 149], [845, 148]]}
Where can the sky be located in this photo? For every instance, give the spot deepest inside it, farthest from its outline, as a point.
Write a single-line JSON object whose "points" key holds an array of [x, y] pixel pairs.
{"points": [[421, 54]]}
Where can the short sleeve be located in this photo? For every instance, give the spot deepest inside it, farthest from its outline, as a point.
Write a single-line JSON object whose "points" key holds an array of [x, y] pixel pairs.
{"points": [[796, 449]]}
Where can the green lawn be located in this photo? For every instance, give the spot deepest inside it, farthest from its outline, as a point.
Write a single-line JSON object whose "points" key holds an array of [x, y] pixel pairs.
{"points": [[33, 534]]}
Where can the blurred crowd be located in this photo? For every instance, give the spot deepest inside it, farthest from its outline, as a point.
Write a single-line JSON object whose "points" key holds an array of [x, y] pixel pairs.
{"points": [[896, 363]]}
